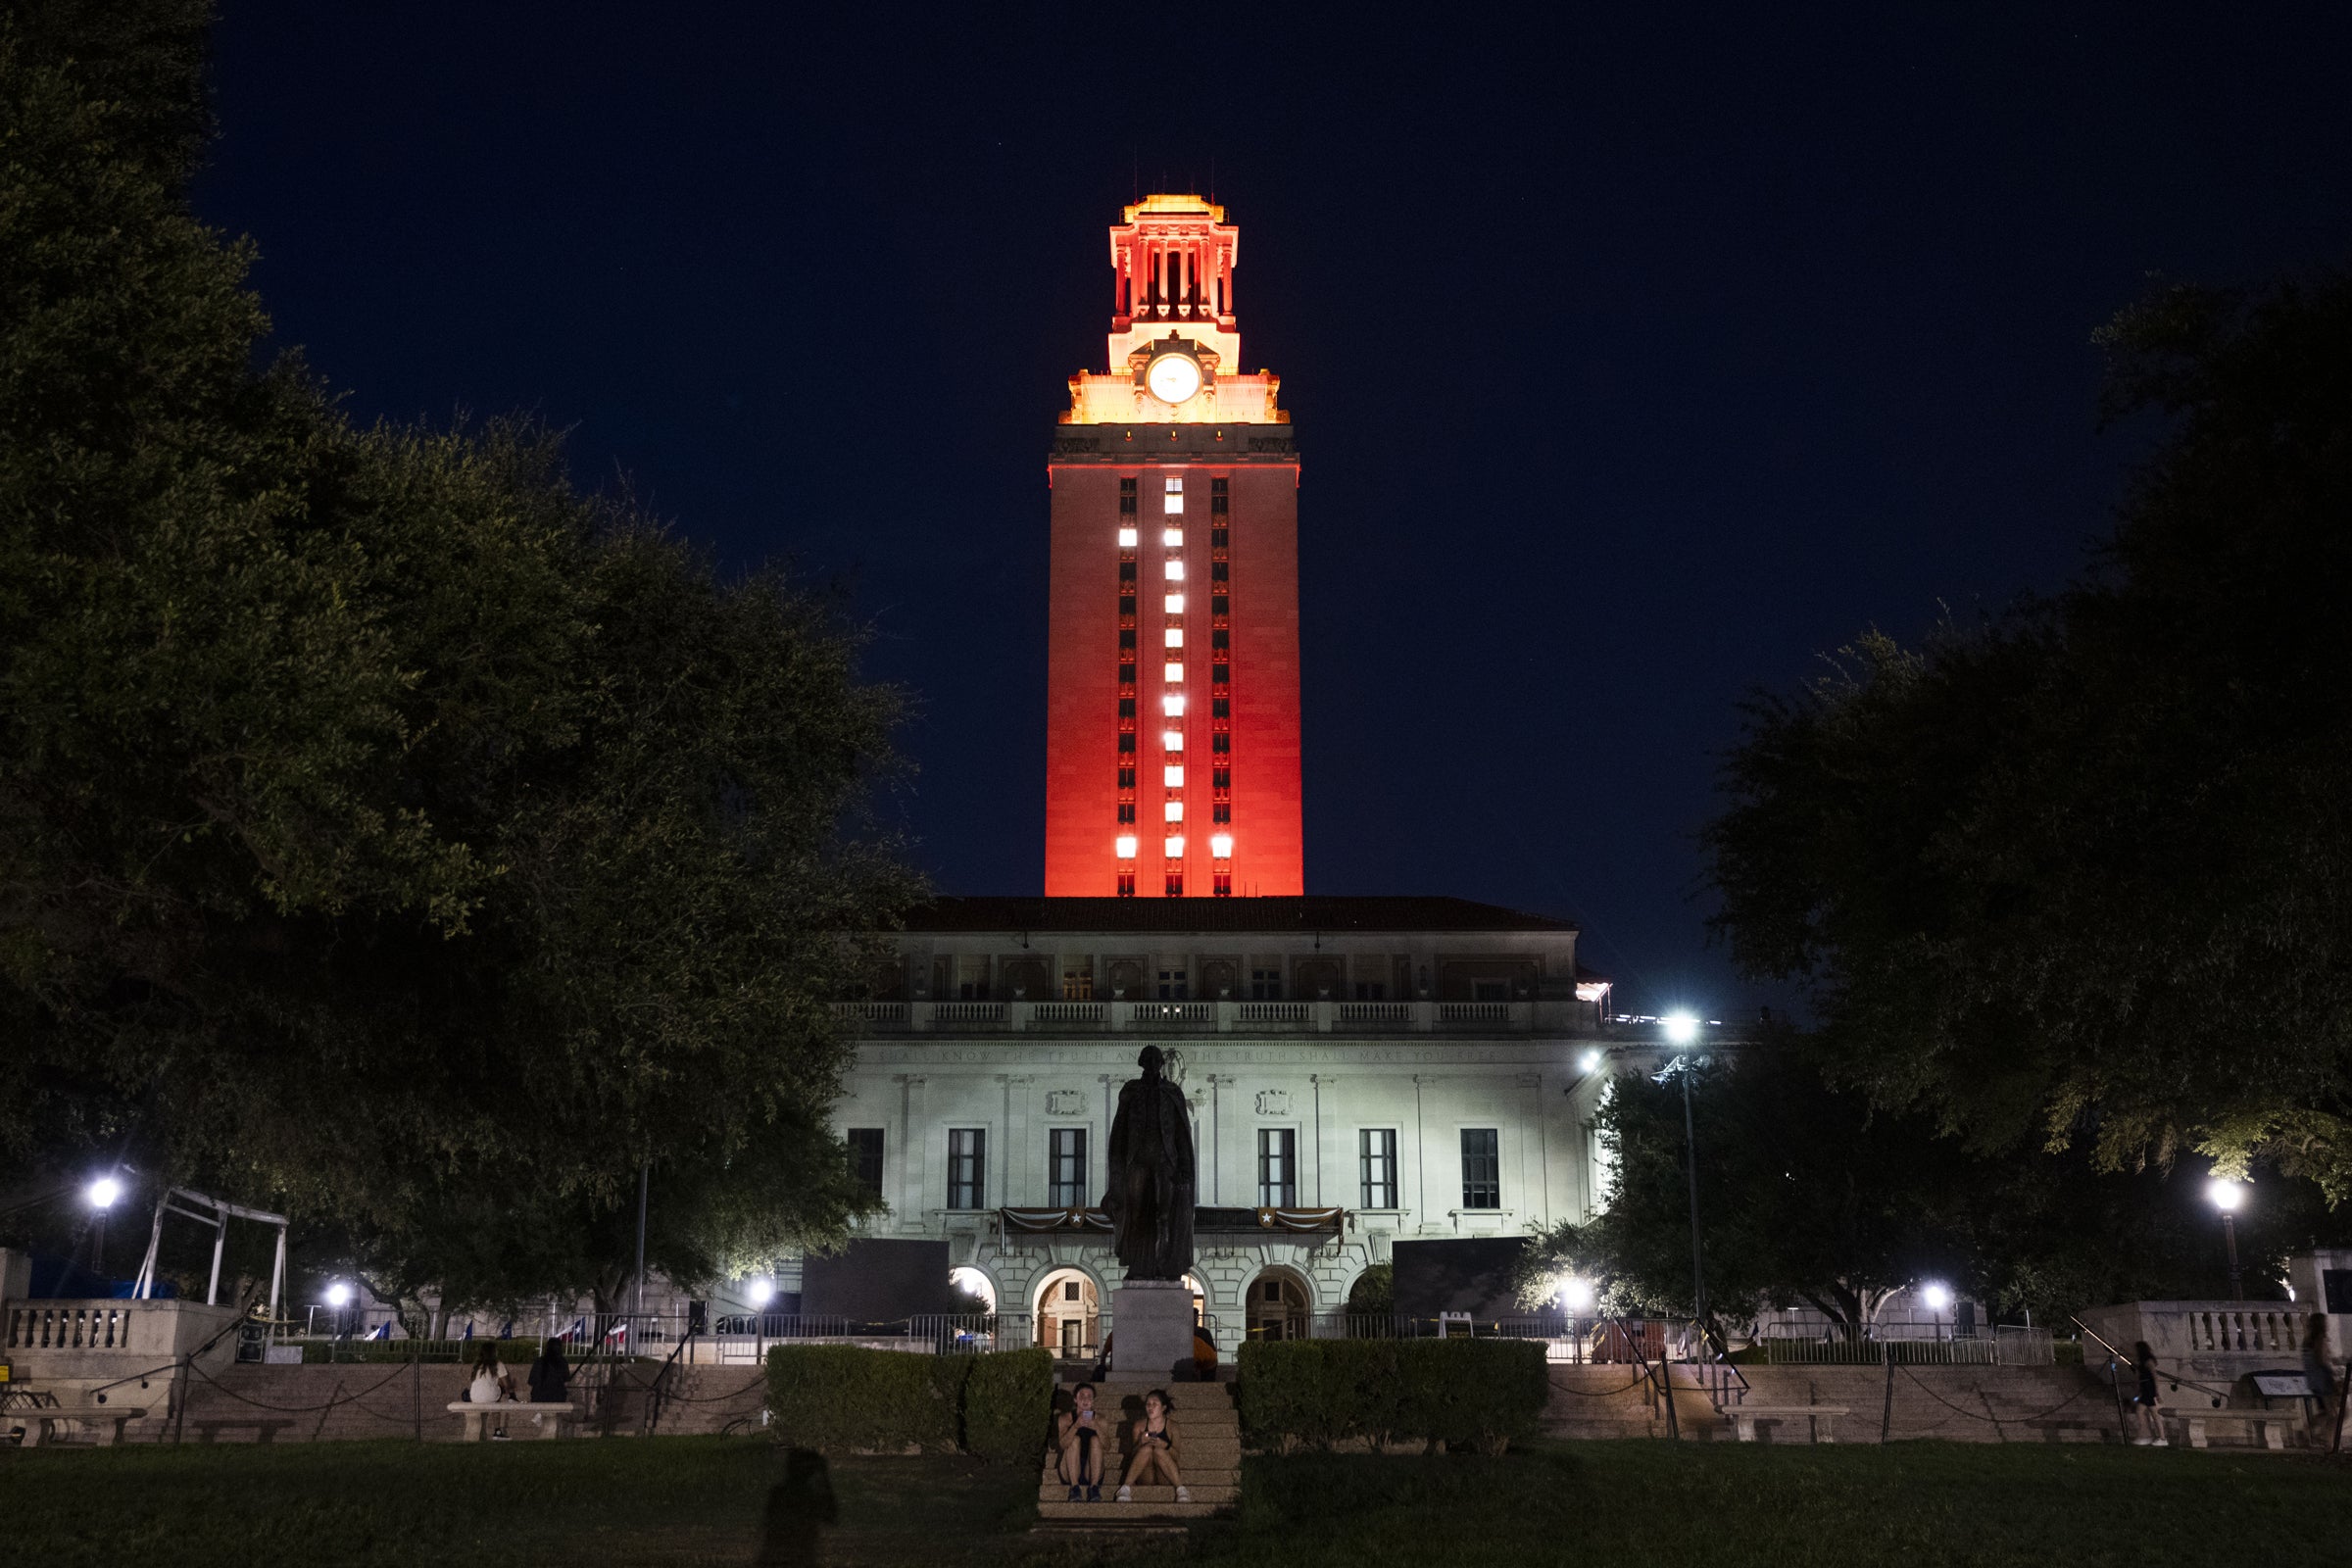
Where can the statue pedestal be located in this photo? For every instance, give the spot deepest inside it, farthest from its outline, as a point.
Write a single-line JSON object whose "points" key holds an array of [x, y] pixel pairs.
{"points": [[1150, 1329]]}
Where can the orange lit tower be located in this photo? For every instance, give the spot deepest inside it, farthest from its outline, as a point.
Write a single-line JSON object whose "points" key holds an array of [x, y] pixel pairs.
{"points": [[1172, 701]]}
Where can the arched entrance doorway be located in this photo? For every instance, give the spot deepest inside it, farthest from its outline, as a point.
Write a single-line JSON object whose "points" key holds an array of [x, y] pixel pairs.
{"points": [[1277, 1306], [1069, 1314]]}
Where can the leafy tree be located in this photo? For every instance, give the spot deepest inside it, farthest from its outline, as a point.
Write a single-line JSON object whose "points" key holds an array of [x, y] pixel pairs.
{"points": [[386, 830], [2075, 876], [1809, 1197]]}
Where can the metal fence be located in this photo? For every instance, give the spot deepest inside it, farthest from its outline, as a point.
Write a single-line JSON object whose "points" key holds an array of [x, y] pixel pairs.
{"points": [[2003, 1345]]}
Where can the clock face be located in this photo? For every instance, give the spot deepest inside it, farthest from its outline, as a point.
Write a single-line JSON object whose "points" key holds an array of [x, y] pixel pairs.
{"points": [[1173, 377]]}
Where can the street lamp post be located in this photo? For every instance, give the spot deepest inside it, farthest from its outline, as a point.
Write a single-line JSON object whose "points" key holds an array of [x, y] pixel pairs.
{"points": [[2226, 1195], [102, 1195], [1682, 1029]]}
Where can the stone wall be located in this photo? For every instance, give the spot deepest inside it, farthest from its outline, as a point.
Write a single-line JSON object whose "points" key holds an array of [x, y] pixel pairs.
{"points": [[1953, 1403]]}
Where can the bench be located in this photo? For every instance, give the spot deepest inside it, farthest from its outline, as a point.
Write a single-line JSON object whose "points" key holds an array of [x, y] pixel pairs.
{"points": [[474, 1419], [104, 1421], [2101, 1427], [265, 1428], [2270, 1425], [1744, 1417]]}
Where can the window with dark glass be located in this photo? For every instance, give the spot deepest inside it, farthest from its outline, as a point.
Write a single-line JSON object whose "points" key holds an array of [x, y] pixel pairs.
{"points": [[866, 1157], [1218, 641], [1376, 1159], [1127, 743], [1217, 536], [1220, 810], [1175, 985], [1066, 1168], [1126, 674], [1482, 1167], [1220, 674], [967, 1173], [1220, 570], [1126, 708], [1126, 884], [1371, 991], [1277, 1167], [1220, 708], [1219, 604], [1126, 778], [1127, 640], [1126, 603], [1265, 984], [1220, 742]]}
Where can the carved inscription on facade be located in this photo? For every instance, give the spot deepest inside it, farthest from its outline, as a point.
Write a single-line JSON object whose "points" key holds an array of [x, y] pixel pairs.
{"points": [[1065, 1102], [1273, 1102]]}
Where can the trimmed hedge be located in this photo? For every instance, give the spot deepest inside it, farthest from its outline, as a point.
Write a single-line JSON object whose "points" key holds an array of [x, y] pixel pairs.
{"points": [[843, 1398], [1464, 1393], [1007, 1404]]}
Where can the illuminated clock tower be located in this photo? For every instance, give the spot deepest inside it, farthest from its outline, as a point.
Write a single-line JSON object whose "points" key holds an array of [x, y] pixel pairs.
{"points": [[1172, 704]]}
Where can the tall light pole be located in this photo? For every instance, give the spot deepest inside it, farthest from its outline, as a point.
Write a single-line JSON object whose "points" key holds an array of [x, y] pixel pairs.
{"points": [[102, 1195], [2226, 1195], [1682, 1029]]}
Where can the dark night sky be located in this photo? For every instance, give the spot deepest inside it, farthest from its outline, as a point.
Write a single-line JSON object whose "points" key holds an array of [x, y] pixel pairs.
{"points": [[1634, 363]]}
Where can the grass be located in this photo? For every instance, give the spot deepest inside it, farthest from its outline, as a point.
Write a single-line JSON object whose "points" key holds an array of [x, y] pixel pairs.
{"points": [[680, 1501]]}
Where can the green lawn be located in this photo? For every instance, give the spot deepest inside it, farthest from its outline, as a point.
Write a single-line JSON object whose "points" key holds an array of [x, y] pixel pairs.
{"points": [[677, 1501]]}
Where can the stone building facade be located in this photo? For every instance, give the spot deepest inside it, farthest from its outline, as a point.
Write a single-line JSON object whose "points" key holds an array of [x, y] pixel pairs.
{"points": [[1359, 1070]]}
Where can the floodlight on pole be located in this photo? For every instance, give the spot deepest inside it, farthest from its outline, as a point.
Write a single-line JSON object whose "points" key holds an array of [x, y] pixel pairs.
{"points": [[1681, 1028], [1575, 1295], [1938, 1297], [2226, 1195], [104, 1193], [338, 1296]]}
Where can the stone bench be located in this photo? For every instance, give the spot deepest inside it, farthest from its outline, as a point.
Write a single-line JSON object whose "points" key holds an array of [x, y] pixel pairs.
{"points": [[474, 1419], [2270, 1425], [104, 1421], [1744, 1417], [2101, 1427]]}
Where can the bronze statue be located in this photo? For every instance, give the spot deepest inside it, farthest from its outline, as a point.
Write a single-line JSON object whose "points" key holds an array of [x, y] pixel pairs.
{"points": [[1150, 1199]]}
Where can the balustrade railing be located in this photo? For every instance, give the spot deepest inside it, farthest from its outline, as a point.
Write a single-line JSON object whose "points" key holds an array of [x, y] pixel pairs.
{"points": [[1225, 1015]]}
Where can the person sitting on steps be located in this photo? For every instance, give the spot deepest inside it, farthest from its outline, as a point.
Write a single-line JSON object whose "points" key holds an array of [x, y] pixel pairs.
{"points": [[1079, 1432], [1153, 1452]]}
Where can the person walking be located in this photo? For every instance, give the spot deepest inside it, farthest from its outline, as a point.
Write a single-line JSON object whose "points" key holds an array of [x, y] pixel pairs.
{"points": [[2320, 1377], [2151, 1423]]}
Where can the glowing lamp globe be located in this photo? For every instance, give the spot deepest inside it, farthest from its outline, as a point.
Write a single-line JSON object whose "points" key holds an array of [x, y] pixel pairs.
{"points": [[761, 1293], [1173, 377], [1681, 1028], [338, 1295], [2225, 1194], [1937, 1296], [1575, 1295], [104, 1191]]}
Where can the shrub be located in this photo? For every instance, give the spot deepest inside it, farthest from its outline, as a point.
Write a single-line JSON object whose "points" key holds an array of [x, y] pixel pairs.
{"points": [[1007, 1404], [1474, 1393], [839, 1399]]}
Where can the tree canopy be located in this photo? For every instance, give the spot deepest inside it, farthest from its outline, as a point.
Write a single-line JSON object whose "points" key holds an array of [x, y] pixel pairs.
{"points": [[386, 828], [1810, 1197], [2076, 876]]}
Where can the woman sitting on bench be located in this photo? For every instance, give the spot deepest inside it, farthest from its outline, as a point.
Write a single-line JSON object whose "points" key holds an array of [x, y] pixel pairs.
{"points": [[1152, 1453]]}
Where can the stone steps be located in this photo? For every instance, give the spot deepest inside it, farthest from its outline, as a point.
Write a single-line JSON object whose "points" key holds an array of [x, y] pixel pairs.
{"points": [[1108, 1512], [1220, 1492]]}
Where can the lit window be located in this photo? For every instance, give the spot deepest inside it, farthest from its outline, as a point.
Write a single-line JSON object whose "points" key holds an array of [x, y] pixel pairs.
{"points": [[1174, 637], [1175, 604], [1174, 570], [1172, 705], [1126, 845], [1172, 740], [1176, 485], [1220, 844], [1127, 539], [1173, 674], [1176, 846], [1174, 812], [1172, 775], [1175, 504], [1173, 538]]}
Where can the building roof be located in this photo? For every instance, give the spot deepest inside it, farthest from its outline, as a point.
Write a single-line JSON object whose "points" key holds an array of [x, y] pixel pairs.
{"points": [[1314, 912]]}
